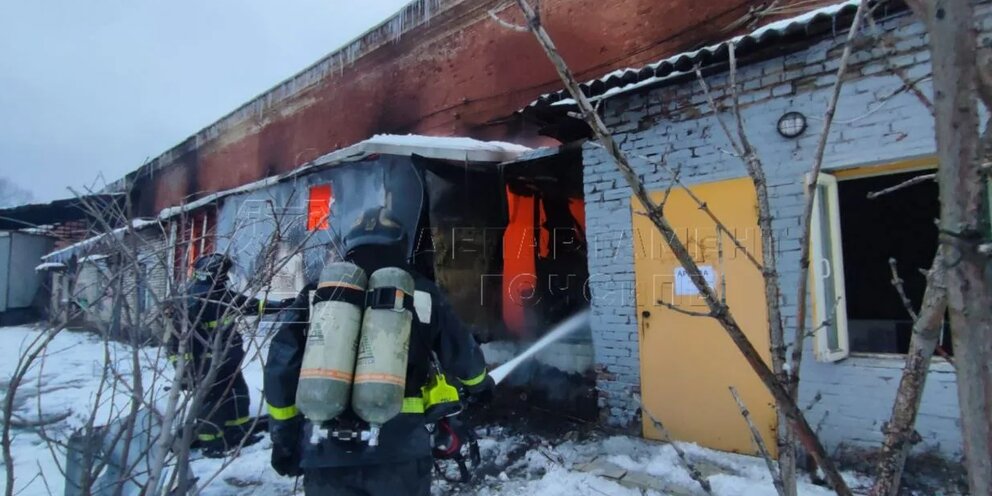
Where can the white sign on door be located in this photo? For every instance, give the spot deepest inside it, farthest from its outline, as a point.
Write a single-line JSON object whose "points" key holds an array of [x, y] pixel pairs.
{"points": [[684, 285]]}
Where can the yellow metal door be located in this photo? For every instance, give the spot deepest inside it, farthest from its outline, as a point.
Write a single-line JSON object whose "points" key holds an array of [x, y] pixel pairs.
{"points": [[688, 362]]}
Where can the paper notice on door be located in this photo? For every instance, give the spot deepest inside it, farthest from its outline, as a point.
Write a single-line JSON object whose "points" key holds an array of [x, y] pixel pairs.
{"points": [[684, 285]]}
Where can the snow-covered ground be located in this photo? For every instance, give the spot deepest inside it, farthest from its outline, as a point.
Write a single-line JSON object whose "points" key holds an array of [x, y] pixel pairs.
{"points": [[68, 375], [557, 470], [513, 462]]}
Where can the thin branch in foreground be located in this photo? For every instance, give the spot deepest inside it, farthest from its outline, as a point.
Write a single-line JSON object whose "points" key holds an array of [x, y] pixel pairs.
{"points": [[693, 471], [773, 292], [885, 39], [802, 289], [684, 311], [905, 184], [724, 316], [716, 111], [21, 423], [942, 353], [759, 442], [827, 322], [676, 179], [898, 431], [897, 283], [506, 24]]}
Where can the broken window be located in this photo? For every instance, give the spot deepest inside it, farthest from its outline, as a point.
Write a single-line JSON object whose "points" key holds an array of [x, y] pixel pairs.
{"points": [[856, 307], [319, 207]]}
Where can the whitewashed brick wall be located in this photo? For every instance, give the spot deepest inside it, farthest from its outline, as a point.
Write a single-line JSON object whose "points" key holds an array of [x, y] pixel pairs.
{"points": [[674, 121]]}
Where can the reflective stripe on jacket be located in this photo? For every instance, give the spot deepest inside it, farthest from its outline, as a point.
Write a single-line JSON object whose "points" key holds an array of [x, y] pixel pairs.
{"points": [[402, 438]]}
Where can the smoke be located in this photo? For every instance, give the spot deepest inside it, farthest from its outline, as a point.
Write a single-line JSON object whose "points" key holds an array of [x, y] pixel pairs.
{"points": [[12, 195]]}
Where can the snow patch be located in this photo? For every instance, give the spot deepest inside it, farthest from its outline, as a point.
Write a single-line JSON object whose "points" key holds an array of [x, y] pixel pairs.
{"points": [[414, 140], [68, 378], [87, 244], [429, 146], [49, 266]]}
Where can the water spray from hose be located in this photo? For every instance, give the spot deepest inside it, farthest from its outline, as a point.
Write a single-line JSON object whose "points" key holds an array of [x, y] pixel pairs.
{"points": [[566, 327]]}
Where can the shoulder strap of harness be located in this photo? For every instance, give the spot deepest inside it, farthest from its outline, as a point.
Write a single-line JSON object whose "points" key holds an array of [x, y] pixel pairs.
{"points": [[340, 292], [389, 298]]}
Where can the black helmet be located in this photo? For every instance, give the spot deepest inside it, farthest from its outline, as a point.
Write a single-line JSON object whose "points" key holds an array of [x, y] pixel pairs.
{"points": [[212, 268], [376, 232]]}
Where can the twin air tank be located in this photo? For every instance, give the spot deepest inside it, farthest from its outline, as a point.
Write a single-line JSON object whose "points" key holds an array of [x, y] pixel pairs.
{"points": [[356, 350]]}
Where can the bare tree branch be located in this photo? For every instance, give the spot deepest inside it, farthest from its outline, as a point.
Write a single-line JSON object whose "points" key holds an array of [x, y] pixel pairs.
{"points": [[723, 315], [759, 442], [905, 184], [24, 362], [683, 311], [885, 39], [773, 293], [693, 471], [720, 226], [897, 284], [802, 292], [505, 24], [927, 326], [962, 149], [41, 421]]}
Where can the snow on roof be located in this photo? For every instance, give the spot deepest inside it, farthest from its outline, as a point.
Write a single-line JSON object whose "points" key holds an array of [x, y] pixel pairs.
{"points": [[438, 147], [445, 142], [445, 148], [49, 265], [64, 254], [630, 79]]}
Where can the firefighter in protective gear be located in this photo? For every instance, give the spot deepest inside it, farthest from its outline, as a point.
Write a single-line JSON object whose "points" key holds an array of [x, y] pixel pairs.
{"points": [[401, 463], [214, 342]]}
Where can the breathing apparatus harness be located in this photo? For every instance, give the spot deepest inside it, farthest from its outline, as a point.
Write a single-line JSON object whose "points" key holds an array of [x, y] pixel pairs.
{"points": [[354, 363], [450, 437]]}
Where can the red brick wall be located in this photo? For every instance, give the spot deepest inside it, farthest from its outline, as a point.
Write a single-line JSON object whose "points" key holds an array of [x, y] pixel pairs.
{"points": [[69, 233], [459, 74]]}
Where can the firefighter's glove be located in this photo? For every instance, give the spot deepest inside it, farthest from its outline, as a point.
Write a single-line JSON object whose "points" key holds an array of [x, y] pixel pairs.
{"points": [[286, 445], [482, 393]]}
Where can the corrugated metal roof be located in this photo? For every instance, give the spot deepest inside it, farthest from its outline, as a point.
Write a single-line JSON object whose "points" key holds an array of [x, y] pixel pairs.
{"points": [[623, 80], [55, 212]]}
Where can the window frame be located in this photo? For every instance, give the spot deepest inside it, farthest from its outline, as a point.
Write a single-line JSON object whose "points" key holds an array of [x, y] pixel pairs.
{"points": [[821, 336]]}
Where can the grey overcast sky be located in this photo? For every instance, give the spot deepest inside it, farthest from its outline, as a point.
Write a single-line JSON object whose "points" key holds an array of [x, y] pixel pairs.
{"points": [[98, 86]]}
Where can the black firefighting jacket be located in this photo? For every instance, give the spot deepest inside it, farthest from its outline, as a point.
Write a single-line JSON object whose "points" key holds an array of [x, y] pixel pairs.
{"points": [[403, 438], [211, 312]]}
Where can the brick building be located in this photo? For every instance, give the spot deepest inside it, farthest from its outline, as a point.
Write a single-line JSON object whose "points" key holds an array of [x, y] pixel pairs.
{"points": [[445, 68], [882, 135]]}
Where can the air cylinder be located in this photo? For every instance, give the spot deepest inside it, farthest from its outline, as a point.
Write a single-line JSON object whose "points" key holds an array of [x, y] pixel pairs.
{"points": [[328, 365], [380, 373]]}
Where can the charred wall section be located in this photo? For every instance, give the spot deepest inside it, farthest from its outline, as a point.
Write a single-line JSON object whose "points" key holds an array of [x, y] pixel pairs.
{"points": [[249, 223], [440, 67], [457, 216]]}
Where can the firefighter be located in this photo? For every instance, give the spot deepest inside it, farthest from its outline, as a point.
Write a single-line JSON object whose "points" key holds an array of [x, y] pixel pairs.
{"points": [[400, 463], [214, 342]]}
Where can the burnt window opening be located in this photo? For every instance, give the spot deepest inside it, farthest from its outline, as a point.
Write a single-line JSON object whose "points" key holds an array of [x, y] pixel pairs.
{"points": [[319, 207], [196, 233], [899, 225]]}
